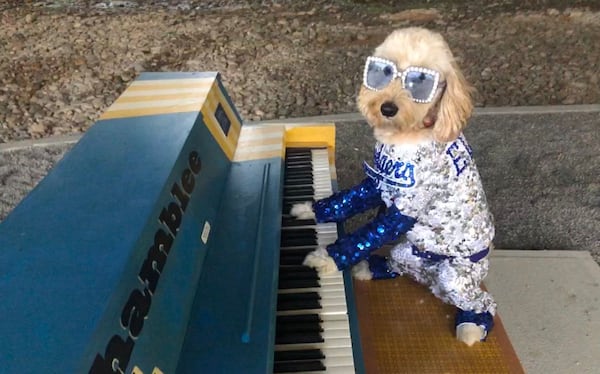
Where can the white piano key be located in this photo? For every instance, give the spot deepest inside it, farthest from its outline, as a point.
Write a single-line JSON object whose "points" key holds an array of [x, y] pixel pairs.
{"points": [[330, 310], [340, 324], [324, 288], [334, 370], [337, 345], [331, 343]]}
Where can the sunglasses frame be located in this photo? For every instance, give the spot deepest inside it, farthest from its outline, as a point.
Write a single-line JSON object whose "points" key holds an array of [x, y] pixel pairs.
{"points": [[402, 75]]}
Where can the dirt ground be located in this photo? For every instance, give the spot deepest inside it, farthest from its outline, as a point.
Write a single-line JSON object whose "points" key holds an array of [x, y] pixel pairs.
{"points": [[63, 62]]}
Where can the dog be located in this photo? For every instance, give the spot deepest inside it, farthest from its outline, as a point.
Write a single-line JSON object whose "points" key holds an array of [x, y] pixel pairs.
{"points": [[417, 102]]}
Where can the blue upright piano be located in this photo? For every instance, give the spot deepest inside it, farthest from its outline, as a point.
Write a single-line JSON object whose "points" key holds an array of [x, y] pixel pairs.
{"points": [[160, 243]]}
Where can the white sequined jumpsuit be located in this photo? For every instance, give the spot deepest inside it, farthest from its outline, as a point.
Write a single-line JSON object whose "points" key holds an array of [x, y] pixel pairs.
{"points": [[438, 184]]}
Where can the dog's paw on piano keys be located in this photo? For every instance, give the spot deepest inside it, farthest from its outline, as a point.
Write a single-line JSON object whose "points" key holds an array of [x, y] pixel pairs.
{"points": [[303, 210], [320, 260]]}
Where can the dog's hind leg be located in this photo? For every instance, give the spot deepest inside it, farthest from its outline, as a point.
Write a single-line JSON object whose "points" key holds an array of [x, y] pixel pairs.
{"points": [[458, 282]]}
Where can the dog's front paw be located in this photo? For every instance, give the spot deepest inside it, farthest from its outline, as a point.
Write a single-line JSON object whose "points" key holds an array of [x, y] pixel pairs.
{"points": [[303, 210], [361, 271], [320, 260], [470, 333]]}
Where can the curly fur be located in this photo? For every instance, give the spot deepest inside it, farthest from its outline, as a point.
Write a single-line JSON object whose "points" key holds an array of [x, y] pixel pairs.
{"points": [[418, 47]]}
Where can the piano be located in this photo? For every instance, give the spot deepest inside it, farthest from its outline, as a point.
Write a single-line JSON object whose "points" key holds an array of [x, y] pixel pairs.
{"points": [[160, 244]]}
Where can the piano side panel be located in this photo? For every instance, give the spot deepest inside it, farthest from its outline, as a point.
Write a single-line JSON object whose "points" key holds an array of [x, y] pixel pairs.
{"points": [[65, 247], [232, 324], [73, 249], [160, 341]]}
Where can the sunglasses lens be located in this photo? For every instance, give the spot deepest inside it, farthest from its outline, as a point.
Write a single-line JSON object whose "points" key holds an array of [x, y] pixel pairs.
{"points": [[419, 84], [379, 74]]}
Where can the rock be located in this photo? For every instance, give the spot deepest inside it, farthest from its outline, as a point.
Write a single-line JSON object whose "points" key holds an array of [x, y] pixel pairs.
{"points": [[29, 18], [413, 15], [122, 4], [37, 129]]}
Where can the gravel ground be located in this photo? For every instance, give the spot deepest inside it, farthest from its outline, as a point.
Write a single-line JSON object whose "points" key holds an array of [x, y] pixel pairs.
{"points": [[63, 62]]}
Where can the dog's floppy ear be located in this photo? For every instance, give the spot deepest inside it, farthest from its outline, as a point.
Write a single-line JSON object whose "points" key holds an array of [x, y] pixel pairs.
{"points": [[455, 107]]}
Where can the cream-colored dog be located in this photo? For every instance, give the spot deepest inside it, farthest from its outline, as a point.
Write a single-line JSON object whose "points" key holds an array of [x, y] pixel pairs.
{"points": [[417, 101]]}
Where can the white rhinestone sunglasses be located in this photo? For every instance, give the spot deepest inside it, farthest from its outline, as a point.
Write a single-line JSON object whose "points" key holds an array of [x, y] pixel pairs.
{"points": [[422, 83]]}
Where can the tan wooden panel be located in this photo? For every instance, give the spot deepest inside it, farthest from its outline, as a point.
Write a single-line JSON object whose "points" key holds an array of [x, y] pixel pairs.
{"points": [[405, 329]]}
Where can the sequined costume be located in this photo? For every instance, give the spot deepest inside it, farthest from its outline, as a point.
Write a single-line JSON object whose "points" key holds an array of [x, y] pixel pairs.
{"points": [[437, 216]]}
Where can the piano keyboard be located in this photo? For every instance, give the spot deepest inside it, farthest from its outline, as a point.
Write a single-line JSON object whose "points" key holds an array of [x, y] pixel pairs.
{"points": [[312, 328]]}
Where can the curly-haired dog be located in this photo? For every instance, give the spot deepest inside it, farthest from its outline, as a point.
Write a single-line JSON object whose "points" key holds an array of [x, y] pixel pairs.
{"points": [[417, 102]]}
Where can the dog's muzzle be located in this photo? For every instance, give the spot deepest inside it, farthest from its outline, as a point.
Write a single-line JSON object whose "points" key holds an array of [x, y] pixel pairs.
{"points": [[389, 109]]}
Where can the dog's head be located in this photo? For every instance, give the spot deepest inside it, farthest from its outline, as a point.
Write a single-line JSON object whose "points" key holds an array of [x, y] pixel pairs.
{"points": [[413, 89]]}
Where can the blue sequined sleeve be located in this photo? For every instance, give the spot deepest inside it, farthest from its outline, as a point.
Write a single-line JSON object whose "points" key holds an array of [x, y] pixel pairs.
{"points": [[351, 249], [344, 204]]}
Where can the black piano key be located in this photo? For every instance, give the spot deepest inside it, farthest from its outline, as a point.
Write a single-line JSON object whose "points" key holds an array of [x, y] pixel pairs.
{"points": [[286, 284], [298, 155], [298, 161], [291, 260], [299, 191], [299, 355], [292, 163], [296, 367], [301, 300], [299, 173], [301, 272], [303, 337], [298, 182], [298, 269], [298, 305], [296, 251], [300, 296], [298, 150], [298, 242], [296, 233], [287, 222], [297, 319], [299, 327], [298, 301], [291, 235], [300, 168]]}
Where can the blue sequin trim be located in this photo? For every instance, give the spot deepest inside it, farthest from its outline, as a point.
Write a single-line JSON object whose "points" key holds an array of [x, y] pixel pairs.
{"points": [[485, 320], [380, 268], [351, 249], [347, 203]]}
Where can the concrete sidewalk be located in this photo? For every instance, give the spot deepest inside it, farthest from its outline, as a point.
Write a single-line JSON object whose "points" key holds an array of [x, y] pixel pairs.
{"points": [[540, 170], [549, 302]]}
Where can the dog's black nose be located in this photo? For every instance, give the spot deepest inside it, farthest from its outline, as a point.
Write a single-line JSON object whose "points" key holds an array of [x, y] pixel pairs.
{"points": [[389, 109]]}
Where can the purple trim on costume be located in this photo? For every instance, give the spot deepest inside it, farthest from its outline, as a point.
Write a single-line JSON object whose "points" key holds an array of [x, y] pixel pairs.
{"points": [[485, 320], [351, 249], [435, 257], [344, 204], [379, 267]]}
